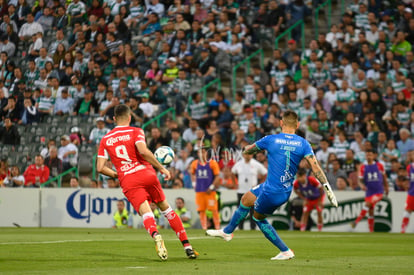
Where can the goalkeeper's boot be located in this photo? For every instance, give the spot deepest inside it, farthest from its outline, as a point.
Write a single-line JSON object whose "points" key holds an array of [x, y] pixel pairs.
{"points": [[287, 255], [219, 233], [160, 248], [191, 253]]}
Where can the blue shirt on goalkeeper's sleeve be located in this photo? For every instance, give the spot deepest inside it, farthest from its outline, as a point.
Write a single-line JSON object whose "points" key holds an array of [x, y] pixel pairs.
{"points": [[284, 153]]}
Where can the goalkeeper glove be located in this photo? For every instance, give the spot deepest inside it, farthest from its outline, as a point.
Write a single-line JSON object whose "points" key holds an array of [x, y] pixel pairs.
{"points": [[330, 194]]}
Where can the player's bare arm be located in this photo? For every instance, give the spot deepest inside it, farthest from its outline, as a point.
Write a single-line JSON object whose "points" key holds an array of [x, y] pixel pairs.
{"points": [[320, 175], [103, 169], [320, 199], [251, 149], [300, 195], [149, 156]]}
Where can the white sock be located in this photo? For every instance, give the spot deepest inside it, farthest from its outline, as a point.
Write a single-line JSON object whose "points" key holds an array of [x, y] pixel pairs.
{"points": [[165, 212], [406, 214]]}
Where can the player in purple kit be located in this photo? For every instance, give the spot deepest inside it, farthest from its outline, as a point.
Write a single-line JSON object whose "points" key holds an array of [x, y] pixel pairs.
{"points": [[311, 191], [409, 203], [374, 181]]}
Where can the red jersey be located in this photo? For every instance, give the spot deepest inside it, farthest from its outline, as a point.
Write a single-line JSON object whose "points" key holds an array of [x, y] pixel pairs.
{"points": [[35, 174], [120, 146]]}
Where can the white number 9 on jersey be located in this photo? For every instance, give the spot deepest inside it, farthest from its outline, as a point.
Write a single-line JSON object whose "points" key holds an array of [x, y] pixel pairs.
{"points": [[122, 153]]}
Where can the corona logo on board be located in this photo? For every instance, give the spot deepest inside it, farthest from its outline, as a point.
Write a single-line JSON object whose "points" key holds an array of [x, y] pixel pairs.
{"points": [[85, 205]]}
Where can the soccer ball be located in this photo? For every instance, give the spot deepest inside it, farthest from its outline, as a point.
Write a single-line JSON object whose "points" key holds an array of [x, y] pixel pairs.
{"points": [[164, 155]]}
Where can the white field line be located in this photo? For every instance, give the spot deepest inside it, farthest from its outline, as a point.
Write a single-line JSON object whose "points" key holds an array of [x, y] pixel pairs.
{"points": [[48, 242], [135, 267], [191, 238]]}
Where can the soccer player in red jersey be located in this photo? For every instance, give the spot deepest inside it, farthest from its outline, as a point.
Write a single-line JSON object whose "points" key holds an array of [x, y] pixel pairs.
{"points": [[311, 191], [409, 203], [126, 148], [374, 181]]}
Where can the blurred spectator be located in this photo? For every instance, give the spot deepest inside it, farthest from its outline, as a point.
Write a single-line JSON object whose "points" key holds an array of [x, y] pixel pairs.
{"points": [[86, 106], [156, 139], [122, 218], [113, 183], [176, 143], [45, 151], [183, 212], [196, 108], [146, 106], [30, 27], [68, 153], [183, 161], [53, 162], [16, 179], [30, 114], [98, 132], [36, 173], [64, 104], [335, 172], [350, 164], [76, 10], [45, 104], [405, 144], [11, 110], [74, 183], [9, 134], [206, 66], [249, 173], [4, 169]]}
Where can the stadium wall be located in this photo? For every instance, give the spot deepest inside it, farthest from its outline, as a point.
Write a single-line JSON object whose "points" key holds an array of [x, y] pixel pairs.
{"points": [[94, 208]]}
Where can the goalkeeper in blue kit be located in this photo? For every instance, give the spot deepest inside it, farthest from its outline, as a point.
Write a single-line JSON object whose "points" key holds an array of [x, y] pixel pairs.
{"points": [[285, 151]]}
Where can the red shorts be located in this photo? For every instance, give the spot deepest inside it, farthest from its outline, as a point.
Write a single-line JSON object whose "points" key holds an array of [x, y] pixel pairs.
{"points": [[409, 203], [374, 199], [142, 186], [309, 205], [206, 201]]}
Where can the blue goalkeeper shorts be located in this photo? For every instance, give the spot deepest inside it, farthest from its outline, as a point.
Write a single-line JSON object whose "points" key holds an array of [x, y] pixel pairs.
{"points": [[267, 202]]}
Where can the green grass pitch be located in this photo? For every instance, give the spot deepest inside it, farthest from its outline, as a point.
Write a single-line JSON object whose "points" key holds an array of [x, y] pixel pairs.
{"points": [[111, 251]]}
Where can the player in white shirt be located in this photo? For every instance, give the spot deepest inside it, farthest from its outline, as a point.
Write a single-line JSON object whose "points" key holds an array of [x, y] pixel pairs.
{"points": [[248, 171]]}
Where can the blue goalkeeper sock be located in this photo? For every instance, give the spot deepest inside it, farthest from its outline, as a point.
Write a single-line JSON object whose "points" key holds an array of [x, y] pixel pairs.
{"points": [[238, 216], [270, 233]]}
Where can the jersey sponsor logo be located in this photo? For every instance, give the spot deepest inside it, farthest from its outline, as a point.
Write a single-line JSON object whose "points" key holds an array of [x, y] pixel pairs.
{"points": [[372, 176], [288, 142], [84, 205], [111, 141], [202, 173]]}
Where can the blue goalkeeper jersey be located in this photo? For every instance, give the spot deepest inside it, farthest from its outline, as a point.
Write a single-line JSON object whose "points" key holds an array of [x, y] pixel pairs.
{"points": [[284, 153]]}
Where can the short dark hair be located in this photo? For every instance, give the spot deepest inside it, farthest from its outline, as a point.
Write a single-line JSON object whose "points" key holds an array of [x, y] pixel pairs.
{"points": [[301, 172], [370, 151], [122, 110], [180, 198]]}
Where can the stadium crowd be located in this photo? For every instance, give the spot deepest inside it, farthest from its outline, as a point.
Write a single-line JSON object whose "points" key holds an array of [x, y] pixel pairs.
{"points": [[352, 87]]}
